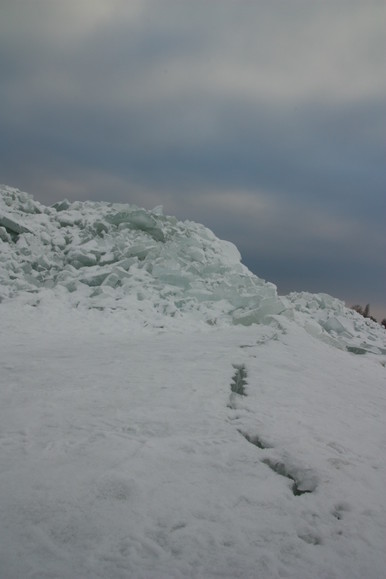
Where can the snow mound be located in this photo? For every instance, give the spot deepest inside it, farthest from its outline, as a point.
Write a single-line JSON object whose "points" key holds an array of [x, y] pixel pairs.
{"points": [[152, 269]]}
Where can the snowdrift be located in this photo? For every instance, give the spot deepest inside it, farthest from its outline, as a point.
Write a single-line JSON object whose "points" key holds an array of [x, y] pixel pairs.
{"points": [[152, 269]]}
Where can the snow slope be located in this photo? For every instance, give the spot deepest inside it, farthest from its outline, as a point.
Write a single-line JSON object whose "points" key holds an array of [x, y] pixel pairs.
{"points": [[149, 429]]}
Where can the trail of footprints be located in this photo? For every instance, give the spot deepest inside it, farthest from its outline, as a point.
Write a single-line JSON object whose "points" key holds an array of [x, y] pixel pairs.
{"points": [[303, 480]]}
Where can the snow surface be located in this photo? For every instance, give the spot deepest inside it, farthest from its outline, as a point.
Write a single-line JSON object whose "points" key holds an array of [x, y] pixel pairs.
{"points": [[150, 428]]}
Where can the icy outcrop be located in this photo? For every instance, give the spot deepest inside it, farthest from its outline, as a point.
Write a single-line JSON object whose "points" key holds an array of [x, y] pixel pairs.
{"points": [[328, 319], [152, 268], [115, 256]]}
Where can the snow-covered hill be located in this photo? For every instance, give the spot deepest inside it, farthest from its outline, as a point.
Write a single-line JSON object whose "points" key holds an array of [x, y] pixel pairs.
{"points": [[151, 429]]}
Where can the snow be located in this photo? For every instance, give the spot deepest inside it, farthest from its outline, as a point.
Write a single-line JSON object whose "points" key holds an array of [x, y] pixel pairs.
{"points": [[150, 429]]}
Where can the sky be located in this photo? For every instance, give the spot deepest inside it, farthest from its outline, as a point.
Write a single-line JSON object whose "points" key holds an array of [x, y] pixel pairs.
{"points": [[265, 120]]}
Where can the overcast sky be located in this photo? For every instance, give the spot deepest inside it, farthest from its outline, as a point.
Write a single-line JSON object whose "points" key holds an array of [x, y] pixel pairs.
{"points": [[263, 119]]}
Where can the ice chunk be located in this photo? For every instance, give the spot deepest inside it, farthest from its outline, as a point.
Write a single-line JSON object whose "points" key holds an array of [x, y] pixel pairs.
{"points": [[140, 250], [59, 240], [159, 210], [79, 258], [137, 219], [230, 252], [69, 219], [95, 277], [112, 280], [268, 307], [171, 276], [12, 226], [4, 235], [336, 324], [62, 205]]}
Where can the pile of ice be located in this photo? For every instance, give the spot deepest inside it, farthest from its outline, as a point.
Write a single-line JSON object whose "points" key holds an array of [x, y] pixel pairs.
{"points": [[151, 268], [329, 320], [115, 256]]}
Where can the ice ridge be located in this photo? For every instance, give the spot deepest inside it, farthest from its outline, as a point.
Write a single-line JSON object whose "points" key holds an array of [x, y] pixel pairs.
{"points": [[116, 256], [153, 268]]}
